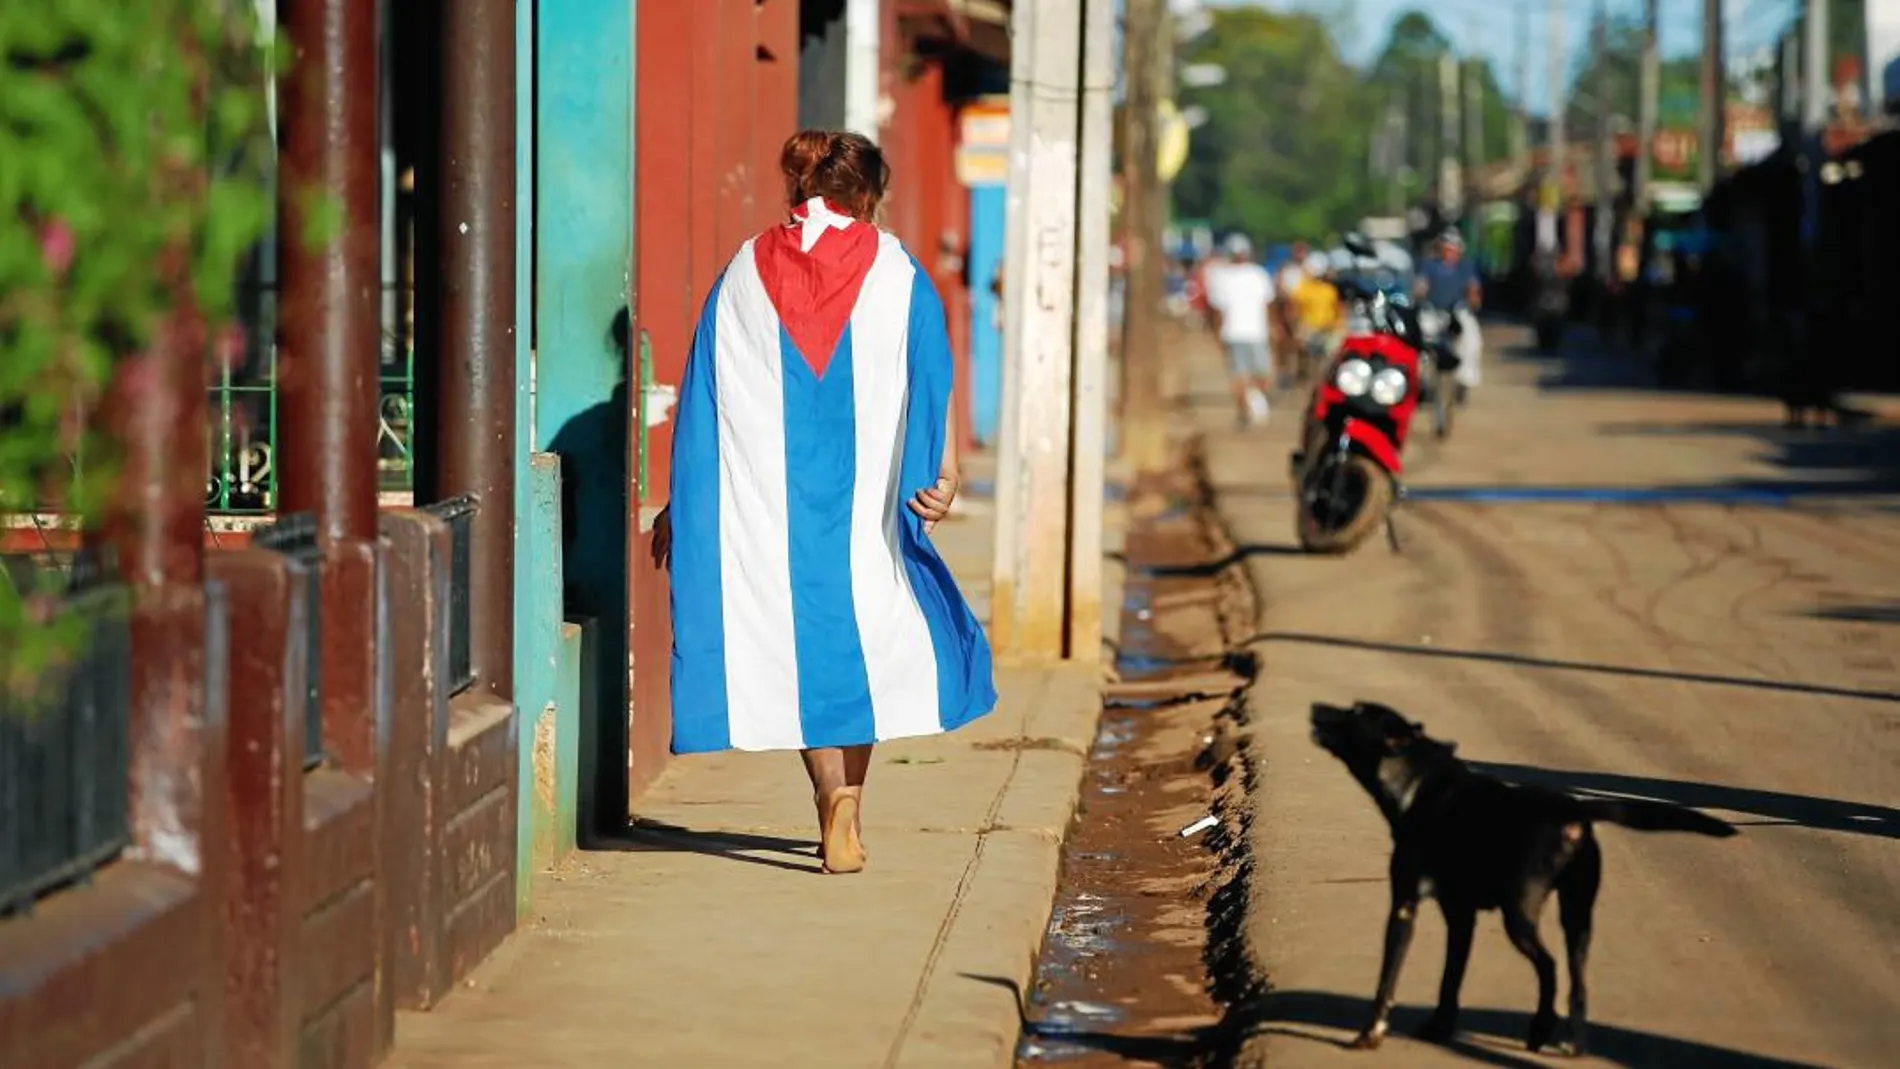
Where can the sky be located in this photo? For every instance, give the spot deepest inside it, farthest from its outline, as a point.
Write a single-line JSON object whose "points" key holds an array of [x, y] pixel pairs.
{"points": [[1491, 27]]}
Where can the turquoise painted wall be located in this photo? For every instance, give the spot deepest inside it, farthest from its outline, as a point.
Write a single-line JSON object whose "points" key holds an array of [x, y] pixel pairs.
{"points": [[537, 671], [584, 218], [571, 513]]}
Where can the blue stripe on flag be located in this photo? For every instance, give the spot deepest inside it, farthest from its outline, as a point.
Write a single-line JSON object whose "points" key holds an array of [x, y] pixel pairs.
{"points": [[966, 686], [834, 688], [700, 707]]}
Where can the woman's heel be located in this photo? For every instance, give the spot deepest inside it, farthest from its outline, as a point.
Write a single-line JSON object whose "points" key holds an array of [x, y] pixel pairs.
{"points": [[842, 852]]}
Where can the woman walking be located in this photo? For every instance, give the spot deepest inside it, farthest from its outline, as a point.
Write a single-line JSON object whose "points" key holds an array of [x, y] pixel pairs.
{"points": [[812, 457]]}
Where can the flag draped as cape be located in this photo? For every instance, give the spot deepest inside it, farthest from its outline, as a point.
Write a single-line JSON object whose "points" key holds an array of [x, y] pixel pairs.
{"points": [[809, 607]]}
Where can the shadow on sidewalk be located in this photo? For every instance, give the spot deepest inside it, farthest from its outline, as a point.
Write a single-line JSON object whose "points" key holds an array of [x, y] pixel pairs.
{"points": [[1860, 458], [1495, 1037], [1871, 613], [1825, 814], [1203, 569], [653, 836], [1526, 661], [1179, 1049]]}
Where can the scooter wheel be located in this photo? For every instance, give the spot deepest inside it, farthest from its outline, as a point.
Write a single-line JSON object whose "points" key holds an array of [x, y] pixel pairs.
{"points": [[1374, 501]]}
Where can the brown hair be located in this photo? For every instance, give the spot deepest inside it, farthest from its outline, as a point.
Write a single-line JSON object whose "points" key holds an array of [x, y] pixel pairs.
{"points": [[842, 167]]}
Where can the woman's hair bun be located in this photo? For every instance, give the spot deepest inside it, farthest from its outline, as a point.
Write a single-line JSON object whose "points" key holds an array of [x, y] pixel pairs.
{"points": [[804, 152], [845, 168]]}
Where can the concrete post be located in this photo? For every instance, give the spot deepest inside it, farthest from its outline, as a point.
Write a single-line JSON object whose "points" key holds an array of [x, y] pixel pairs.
{"points": [[475, 419], [1088, 452], [863, 25], [1649, 87], [1143, 420], [1050, 452]]}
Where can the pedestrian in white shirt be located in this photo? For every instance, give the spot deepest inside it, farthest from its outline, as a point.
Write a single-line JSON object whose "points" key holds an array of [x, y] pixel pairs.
{"points": [[1239, 297]]}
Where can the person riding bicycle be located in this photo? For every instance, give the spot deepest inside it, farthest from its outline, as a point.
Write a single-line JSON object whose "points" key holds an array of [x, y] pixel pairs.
{"points": [[1449, 282]]}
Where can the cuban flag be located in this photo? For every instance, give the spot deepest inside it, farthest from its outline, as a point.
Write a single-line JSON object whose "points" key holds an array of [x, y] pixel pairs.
{"points": [[809, 607]]}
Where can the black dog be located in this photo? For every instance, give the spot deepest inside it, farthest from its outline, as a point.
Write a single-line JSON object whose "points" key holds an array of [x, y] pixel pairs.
{"points": [[1474, 843]]}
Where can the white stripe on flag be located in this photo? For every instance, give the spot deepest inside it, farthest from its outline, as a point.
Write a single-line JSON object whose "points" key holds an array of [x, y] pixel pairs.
{"points": [[899, 658], [754, 552]]}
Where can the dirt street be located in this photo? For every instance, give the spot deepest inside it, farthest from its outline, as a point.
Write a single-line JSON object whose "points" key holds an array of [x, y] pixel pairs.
{"points": [[1733, 644]]}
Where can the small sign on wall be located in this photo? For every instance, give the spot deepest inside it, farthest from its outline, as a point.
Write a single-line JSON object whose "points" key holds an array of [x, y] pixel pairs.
{"points": [[983, 147]]}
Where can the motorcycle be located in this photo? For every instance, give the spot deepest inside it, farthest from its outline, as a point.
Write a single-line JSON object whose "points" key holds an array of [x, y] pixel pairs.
{"points": [[1438, 363], [1346, 474]]}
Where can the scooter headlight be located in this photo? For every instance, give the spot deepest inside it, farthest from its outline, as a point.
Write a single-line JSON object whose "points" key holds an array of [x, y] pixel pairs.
{"points": [[1388, 387], [1353, 378]]}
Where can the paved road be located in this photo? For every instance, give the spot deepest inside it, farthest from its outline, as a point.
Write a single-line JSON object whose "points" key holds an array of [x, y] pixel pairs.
{"points": [[1743, 656]]}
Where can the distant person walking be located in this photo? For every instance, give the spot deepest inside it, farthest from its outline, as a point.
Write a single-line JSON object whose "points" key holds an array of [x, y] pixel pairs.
{"points": [[1240, 300], [812, 457]]}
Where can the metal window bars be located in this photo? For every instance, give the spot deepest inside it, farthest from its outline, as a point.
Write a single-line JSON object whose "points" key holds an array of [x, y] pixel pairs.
{"points": [[65, 748], [459, 513]]}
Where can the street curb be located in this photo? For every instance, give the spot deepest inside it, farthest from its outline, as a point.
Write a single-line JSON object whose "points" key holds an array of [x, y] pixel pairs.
{"points": [[969, 1010], [968, 1013]]}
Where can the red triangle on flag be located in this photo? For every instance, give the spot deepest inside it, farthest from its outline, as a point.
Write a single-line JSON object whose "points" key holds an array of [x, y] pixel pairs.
{"points": [[815, 291]]}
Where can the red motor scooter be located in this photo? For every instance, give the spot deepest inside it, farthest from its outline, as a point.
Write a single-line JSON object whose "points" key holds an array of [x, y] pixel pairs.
{"points": [[1347, 470]]}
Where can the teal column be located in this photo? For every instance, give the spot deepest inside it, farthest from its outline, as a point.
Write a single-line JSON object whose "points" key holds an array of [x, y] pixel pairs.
{"points": [[583, 249]]}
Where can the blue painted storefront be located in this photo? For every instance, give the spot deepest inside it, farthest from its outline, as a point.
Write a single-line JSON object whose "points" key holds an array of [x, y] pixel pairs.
{"points": [[987, 210]]}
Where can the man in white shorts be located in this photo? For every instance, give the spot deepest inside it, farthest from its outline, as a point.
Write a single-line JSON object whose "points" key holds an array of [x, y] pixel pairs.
{"points": [[1239, 296]]}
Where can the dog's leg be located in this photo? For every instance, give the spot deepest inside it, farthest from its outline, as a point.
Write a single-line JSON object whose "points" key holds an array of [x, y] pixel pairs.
{"points": [[1398, 937], [1520, 923], [1576, 901], [1443, 1023]]}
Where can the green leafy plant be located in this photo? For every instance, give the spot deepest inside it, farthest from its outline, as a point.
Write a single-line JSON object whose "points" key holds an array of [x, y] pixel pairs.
{"points": [[133, 164]]}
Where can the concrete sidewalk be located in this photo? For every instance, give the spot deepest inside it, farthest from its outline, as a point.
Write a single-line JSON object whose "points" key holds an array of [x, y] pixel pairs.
{"points": [[708, 940]]}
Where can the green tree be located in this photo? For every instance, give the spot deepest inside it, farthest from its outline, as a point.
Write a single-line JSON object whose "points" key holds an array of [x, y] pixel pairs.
{"points": [[132, 153], [1405, 76], [1283, 153]]}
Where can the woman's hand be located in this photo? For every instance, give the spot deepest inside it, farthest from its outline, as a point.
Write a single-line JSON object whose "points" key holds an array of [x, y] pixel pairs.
{"points": [[933, 503], [663, 538]]}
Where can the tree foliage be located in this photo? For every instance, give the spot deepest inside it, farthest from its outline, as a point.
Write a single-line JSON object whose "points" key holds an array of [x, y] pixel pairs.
{"points": [[132, 154], [1283, 152], [1297, 143]]}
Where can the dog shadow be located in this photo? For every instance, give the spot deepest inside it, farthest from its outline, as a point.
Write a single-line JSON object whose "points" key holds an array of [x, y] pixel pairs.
{"points": [[1494, 1037], [1771, 807]]}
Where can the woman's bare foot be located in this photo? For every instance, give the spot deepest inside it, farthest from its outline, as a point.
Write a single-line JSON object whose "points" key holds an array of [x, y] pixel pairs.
{"points": [[857, 828], [840, 848]]}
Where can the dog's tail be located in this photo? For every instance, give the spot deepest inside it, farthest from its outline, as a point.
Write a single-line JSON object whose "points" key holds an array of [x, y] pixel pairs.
{"points": [[1641, 815]]}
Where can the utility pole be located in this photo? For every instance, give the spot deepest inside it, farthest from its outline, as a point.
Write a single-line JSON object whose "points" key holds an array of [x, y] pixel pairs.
{"points": [[1605, 182], [1554, 70], [1649, 87], [1450, 189], [1144, 423], [1398, 150], [1815, 92], [1474, 129], [1088, 385], [1049, 470], [1520, 134], [1714, 97]]}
